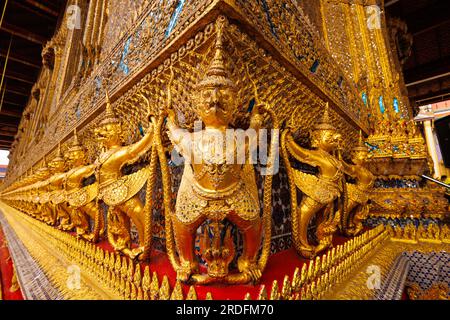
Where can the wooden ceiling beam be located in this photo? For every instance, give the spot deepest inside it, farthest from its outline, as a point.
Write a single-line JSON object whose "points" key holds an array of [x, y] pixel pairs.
{"points": [[20, 93], [32, 9], [8, 121], [427, 70], [12, 103], [431, 27], [21, 59], [19, 77], [7, 133], [43, 7], [9, 128], [11, 113], [8, 124], [6, 139], [433, 14], [22, 87], [23, 33]]}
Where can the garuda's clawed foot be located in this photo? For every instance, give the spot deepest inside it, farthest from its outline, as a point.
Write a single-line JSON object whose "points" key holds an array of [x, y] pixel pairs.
{"points": [[323, 245], [185, 270], [88, 236], [308, 252], [67, 227], [136, 252], [201, 279], [133, 254], [250, 270]]}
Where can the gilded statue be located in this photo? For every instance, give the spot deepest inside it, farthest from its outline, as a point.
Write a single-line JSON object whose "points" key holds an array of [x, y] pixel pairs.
{"points": [[383, 125], [413, 130], [357, 207], [214, 189], [82, 199], [430, 233], [398, 126], [119, 191], [410, 233], [445, 234], [34, 192], [319, 192], [55, 197]]}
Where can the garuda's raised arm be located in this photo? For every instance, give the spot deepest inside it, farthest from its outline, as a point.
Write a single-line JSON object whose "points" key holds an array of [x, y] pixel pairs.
{"points": [[301, 154], [142, 146], [180, 138], [348, 169]]}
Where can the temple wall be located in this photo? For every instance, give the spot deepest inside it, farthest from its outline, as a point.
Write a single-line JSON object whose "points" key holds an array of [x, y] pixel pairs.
{"points": [[131, 58]]}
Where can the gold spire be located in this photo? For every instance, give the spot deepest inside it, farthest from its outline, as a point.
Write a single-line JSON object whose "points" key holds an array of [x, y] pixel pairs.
{"points": [[110, 116], [325, 123], [76, 146], [360, 146], [216, 74], [58, 157], [75, 138], [59, 150], [44, 169]]}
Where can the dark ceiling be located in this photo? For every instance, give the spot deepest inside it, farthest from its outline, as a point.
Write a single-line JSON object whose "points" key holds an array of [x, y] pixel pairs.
{"points": [[427, 70], [28, 24]]}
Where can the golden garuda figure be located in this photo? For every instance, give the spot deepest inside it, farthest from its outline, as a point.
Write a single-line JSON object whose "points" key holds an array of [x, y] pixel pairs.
{"points": [[82, 198], [357, 207], [215, 193], [34, 192], [319, 192], [55, 196], [119, 191]]}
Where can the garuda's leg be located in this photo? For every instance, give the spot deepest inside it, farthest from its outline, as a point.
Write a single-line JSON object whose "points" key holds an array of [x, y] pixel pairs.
{"points": [[345, 221], [49, 213], [361, 212], [308, 208], [251, 231], [80, 221], [91, 210], [326, 227], [184, 238], [348, 222], [135, 211], [119, 231], [64, 215]]}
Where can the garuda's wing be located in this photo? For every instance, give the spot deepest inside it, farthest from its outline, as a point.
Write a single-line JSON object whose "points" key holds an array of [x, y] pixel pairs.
{"points": [[82, 196], [314, 187], [124, 188]]}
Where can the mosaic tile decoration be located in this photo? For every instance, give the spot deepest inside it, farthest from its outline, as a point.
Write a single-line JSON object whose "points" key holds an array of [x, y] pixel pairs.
{"points": [[394, 282], [428, 268], [423, 269], [372, 222]]}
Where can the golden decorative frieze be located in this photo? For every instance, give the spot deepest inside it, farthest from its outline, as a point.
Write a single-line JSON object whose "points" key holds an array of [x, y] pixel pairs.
{"points": [[88, 101]]}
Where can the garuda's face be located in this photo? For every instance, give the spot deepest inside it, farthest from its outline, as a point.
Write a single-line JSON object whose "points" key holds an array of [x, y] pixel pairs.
{"points": [[327, 139], [359, 157], [215, 105], [57, 166], [108, 133], [75, 156]]}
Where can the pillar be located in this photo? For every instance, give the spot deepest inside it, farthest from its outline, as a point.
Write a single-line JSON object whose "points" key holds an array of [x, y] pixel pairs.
{"points": [[431, 144]]}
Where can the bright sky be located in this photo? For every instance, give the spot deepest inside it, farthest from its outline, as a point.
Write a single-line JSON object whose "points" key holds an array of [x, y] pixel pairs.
{"points": [[4, 157]]}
